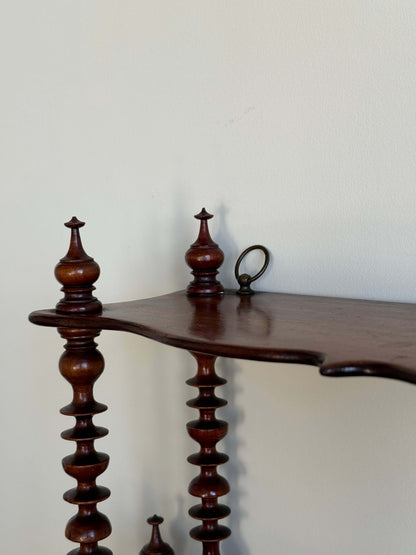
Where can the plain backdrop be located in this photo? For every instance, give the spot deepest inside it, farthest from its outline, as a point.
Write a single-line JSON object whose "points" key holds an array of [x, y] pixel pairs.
{"points": [[294, 123]]}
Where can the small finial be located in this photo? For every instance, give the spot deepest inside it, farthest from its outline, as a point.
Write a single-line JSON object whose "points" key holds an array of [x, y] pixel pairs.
{"points": [[156, 546], [155, 520], [77, 272], [204, 257], [74, 222], [203, 215]]}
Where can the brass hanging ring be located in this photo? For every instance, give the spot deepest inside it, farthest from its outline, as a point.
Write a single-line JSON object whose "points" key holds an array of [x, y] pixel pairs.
{"points": [[244, 280]]}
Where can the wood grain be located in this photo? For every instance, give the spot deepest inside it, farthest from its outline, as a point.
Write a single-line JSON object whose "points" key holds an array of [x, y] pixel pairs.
{"points": [[343, 337]]}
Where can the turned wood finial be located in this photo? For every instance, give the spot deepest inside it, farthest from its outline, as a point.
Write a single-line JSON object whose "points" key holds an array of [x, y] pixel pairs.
{"points": [[77, 272], [204, 257], [156, 546]]}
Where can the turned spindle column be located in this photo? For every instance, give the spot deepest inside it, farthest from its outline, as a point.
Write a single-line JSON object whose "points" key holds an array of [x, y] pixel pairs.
{"points": [[81, 364], [208, 431]]}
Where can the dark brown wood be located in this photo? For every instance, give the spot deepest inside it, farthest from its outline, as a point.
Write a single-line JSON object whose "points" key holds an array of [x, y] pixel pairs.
{"points": [[204, 257], [341, 336], [81, 364], [77, 272], [208, 431], [156, 546]]}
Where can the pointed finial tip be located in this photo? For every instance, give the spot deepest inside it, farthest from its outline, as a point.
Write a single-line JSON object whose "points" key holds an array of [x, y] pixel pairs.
{"points": [[203, 215], [156, 546], [155, 519], [74, 223]]}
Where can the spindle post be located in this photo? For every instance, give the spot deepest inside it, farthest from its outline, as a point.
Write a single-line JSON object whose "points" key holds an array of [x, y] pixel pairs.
{"points": [[81, 364], [208, 431]]}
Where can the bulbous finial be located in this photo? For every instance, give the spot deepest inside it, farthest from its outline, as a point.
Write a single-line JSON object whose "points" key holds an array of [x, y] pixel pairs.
{"points": [[156, 546], [77, 272], [204, 257]]}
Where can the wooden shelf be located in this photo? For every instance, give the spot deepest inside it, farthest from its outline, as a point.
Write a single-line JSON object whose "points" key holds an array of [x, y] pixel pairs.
{"points": [[343, 337]]}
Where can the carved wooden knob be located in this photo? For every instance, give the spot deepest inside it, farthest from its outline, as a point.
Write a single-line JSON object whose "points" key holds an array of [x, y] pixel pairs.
{"points": [[204, 257], [77, 272], [156, 546]]}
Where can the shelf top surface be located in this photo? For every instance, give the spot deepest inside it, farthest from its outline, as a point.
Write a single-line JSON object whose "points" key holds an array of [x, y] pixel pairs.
{"points": [[341, 336]]}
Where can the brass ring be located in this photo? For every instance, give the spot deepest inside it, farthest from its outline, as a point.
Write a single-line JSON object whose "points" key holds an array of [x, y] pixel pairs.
{"points": [[244, 280]]}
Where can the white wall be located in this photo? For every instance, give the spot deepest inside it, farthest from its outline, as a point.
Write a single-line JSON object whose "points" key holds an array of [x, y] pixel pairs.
{"points": [[292, 121]]}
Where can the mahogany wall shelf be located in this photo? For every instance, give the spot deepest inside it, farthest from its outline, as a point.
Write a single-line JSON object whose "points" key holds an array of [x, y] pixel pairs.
{"points": [[342, 337]]}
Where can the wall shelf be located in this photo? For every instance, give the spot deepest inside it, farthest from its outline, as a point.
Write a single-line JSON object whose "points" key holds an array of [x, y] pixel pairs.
{"points": [[343, 337]]}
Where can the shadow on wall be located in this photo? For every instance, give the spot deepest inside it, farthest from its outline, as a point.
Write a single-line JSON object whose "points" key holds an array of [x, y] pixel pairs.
{"points": [[234, 469], [228, 245]]}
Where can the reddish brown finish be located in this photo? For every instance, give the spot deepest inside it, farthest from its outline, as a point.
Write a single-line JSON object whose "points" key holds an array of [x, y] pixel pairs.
{"points": [[341, 336], [77, 272], [81, 364], [204, 257], [208, 431], [156, 546]]}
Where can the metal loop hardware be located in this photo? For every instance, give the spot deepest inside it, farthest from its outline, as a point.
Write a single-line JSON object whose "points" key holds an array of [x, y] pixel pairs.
{"points": [[244, 280]]}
